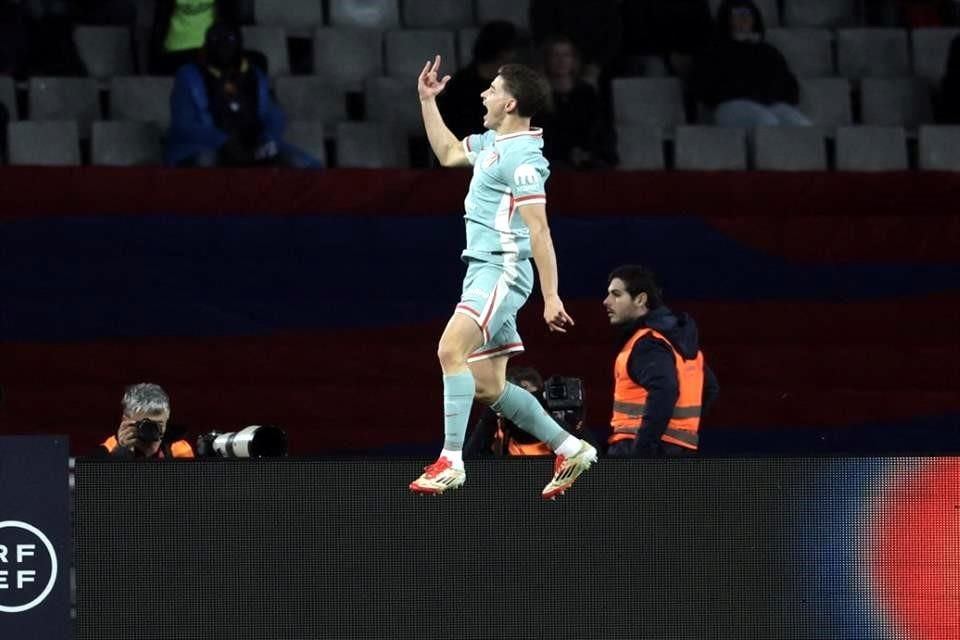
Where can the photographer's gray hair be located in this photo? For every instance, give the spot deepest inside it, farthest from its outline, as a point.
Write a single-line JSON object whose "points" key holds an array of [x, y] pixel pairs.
{"points": [[145, 397]]}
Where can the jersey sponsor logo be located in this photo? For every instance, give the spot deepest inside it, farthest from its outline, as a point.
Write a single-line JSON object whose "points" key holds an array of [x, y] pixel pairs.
{"points": [[491, 159], [525, 176]]}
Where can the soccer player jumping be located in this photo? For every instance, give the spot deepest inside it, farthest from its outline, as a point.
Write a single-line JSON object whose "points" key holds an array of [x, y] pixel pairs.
{"points": [[509, 172]]}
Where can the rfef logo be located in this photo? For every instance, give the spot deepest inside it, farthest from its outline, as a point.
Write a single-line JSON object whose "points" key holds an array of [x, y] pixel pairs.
{"points": [[28, 566]]}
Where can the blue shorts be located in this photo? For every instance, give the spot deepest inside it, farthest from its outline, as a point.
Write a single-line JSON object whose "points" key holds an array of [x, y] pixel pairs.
{"points": [[492, 296]]}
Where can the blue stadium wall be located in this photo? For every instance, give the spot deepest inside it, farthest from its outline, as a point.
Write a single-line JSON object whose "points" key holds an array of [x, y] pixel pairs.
{"points": [[827, 303]]}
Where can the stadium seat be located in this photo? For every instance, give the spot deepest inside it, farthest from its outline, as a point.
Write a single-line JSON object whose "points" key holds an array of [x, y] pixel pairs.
{"points": [[408, 49], [826, 101], [309, 136], [371, 145], [648, 101], [311, 98], [701, 148], [430, 14], [75, 99], [48, 144], [930, 49], [8, 96], [271, 42], [872, 53], [105, 51], [515, 11], [640, 147], [393, 101], [369, 14], [297, 17], [871, 148], [809, 52], [939, 148], [768, 9], [790, 149], [819, 13], [895, 102], [347, 56], [127, 144], [465, 40], [141, 99]]}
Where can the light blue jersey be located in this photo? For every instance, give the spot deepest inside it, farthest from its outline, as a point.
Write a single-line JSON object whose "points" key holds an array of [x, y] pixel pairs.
{"points": [[509, 171]]}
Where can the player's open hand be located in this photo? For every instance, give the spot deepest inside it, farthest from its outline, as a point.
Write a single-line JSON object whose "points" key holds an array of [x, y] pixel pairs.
{"points": [[556, 316], [428, 84]]}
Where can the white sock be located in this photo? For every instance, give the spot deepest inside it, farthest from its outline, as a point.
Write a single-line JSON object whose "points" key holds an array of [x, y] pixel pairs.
{"points": [[455, 457], [568, 447]]}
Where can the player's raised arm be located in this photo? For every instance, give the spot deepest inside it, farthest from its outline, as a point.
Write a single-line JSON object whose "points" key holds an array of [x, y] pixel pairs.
{"points": [[448, 149], [541, 245]]}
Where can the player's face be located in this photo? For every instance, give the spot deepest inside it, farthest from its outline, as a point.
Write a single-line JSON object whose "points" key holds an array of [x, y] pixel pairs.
{"points": [[497, 101], [620, 305]]}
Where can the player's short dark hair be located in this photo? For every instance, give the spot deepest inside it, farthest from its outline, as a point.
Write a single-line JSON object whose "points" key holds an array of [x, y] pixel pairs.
{"points": [[638, 279], [528, 87]]}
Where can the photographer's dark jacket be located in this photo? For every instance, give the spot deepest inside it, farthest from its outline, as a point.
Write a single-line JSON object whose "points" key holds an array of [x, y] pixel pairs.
{"points": [[171, 447], [652, 365]]}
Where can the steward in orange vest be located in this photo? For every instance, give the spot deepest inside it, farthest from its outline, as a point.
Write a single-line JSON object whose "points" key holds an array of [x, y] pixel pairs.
{"points": [[661, 384]]}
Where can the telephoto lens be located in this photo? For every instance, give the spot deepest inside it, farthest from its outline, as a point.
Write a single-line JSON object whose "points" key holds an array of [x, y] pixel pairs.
{"points": [[255, 441]]}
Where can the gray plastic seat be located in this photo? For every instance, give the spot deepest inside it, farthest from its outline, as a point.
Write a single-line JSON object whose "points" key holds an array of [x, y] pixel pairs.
{"points": [[789, 149], [311, 98], [640, 147], [408, 49], [105, 51], [871, 148], [60, 99], [826, 101], [347, 56], [371, 145], [768, 9], [939, 148], [8, 96], [126, 144], [648, 101], [872, 53], [930, 49], [141, 99], [393, 101], [44, 144], [515, 11], [809, 52], [895, 101], [309, 136], [430, 14], [704, 148], [271, 42], [297, 17], [819, 13], [368, 14]]}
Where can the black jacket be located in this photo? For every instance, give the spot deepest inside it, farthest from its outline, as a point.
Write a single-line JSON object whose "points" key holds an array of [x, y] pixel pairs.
{"points": [[651, 366]]}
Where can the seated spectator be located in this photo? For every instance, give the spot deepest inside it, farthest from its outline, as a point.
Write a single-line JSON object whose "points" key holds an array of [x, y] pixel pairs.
{"points": [[743, 80], [577, 134], [179, 28], [948, 98], [222, 113], [662, 37], [496, 45], [14, 48], [598, 39], [144, 430]]}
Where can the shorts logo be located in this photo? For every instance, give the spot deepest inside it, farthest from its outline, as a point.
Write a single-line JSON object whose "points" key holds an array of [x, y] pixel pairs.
{"points": [[525, 176], [27, 575]]}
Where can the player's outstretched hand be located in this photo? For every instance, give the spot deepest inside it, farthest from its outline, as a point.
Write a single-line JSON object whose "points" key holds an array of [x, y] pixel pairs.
{"points": [[556, 316], [428, 84]]}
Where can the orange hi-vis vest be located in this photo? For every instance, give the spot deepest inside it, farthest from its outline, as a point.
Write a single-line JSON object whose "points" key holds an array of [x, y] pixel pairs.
{"points": [[515, 448], [630, 399], [179, 449]]}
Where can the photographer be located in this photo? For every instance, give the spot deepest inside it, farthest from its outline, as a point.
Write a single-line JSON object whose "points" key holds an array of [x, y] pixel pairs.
{"points": [[495, 436], [143, 431]]}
